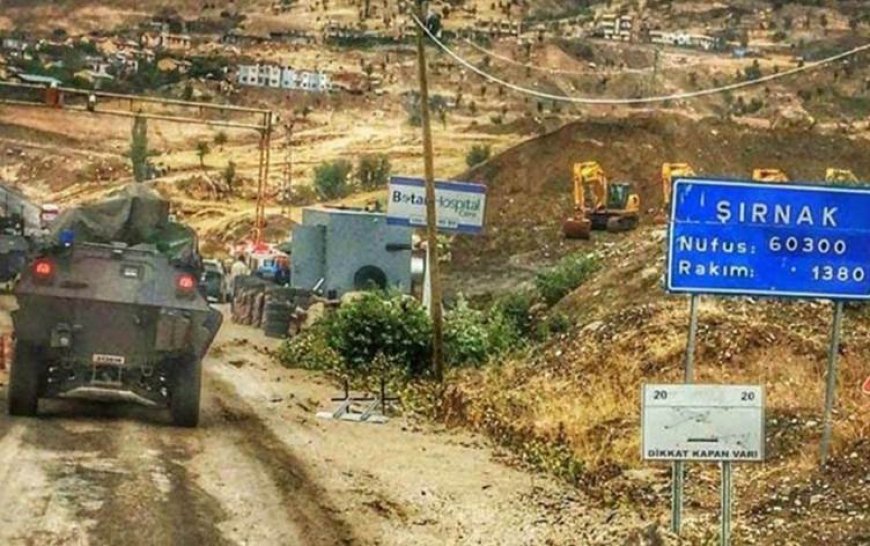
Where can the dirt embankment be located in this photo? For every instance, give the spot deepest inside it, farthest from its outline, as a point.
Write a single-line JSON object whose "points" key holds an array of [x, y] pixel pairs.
{"points": [[529, 185], [578, 396]]}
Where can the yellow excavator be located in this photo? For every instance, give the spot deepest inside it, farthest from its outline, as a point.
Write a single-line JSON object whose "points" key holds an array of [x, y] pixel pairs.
{"points": [[769, 175], [612, 206], [841, 176], [670, 171]]}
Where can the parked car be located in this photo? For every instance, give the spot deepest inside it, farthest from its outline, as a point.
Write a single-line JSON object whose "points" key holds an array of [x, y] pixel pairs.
{"points": [[215, 282]]}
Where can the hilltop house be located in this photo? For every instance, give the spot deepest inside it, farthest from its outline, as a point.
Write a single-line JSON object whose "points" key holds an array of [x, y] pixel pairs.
{"points": [[166, 40], [168, 64], [616, 27], [684, 39], [282, 78]]}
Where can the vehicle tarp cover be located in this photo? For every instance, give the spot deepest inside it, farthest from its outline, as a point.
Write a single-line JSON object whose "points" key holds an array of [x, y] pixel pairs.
{"points": [[134, 215]]}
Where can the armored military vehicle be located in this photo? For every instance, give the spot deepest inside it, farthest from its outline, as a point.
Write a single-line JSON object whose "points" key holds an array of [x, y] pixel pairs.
{"points": [[112, 309]]}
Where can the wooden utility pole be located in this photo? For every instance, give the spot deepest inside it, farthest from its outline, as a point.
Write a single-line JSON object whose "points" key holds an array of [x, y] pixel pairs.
{"points": [[431, 222]]}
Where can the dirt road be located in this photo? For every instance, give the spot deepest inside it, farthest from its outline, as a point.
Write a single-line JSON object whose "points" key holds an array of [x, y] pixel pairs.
{"points": [[262, 469]]}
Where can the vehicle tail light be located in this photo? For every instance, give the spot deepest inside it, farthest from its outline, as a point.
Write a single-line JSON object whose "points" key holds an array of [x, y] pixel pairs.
{"points": [[185, 284], [43, 270]]}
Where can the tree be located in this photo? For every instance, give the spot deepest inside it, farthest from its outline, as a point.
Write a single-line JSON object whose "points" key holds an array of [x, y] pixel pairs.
{"points": [[368, 69], [823, 21], [331, 179], [753, 72], [139, 149], [220, 139], [202, 150], [477, 155], [373, 171], [229, 176]]}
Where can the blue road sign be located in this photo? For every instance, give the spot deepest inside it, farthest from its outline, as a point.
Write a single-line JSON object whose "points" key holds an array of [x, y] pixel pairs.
{"points": [[749, 238]]}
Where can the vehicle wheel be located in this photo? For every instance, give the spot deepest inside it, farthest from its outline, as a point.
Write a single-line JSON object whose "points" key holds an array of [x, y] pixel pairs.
{"points": [[24, 380], [184, 397]]}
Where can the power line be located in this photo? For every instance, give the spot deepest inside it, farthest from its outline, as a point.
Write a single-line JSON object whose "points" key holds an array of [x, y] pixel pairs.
{"points": [[641, 100], [530, 66]]}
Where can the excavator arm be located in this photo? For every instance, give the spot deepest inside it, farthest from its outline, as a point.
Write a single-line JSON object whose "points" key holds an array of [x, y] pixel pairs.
{"points": [[589, 174]]}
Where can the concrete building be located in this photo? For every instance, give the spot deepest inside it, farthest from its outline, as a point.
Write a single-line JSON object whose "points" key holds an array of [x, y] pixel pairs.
{"points": [[684, 39], [616, 27], [347, 250], [282, 77], [166, 40]]}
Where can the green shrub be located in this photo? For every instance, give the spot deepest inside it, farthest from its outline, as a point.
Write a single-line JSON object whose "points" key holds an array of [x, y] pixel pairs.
{"points": [[471, 337], [391, 325], [503, 335], [477, 154], [331, 179], [466, 339], [515, 309], [310, 350], [572, 271], [373, 171], [303, 195], [554, 324]]}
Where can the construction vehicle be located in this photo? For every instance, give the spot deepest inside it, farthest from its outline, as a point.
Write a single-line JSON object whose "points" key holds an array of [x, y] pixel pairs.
{"points": [[670, 171], [110, 308], [611, 206], [841, 176], [769, 175]]}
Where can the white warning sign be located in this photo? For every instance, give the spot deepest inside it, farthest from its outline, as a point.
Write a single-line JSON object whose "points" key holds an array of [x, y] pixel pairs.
{"points": [[702, 423]]}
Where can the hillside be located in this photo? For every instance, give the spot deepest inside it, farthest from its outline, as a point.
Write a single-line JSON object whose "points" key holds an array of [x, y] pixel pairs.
{"points": [[529, 186], [572, 407]]}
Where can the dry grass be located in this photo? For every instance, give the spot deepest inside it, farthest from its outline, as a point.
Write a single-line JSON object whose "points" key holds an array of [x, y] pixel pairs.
{"points": [[582, 391]]}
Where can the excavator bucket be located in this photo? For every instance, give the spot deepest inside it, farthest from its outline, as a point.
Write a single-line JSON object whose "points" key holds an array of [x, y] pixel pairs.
{"points": [[577, 228]]}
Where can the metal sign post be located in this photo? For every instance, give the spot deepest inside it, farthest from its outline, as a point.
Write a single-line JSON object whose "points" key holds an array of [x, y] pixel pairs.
{"points": [[725, 531], [831, 379], [678, 472], [705, 423], [796, 240]]}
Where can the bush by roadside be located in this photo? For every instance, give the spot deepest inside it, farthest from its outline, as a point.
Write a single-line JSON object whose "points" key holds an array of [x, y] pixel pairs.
{"points": [[572, 271]]}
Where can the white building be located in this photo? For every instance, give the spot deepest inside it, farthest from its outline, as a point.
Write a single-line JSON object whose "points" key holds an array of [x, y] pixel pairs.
{"points": [[616, 27], [683, 39], [248, 74], [283, 78]]}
